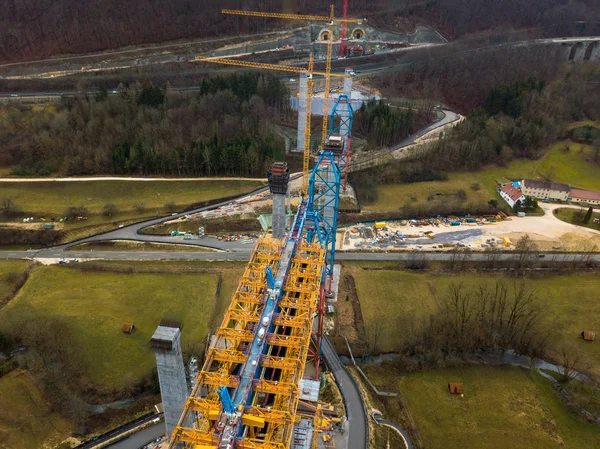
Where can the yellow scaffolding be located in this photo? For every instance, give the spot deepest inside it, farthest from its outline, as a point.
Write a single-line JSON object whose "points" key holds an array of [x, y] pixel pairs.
{"points": [[270, 417]]}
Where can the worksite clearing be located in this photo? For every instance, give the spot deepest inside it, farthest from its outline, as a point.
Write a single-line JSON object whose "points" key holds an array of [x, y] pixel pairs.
{"points": [[477, 233]]}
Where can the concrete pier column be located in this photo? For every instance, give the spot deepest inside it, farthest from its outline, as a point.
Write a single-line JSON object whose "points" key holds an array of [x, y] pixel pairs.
{"points": [[279, 177], [166, 343], [279, 216], [301, 111]]}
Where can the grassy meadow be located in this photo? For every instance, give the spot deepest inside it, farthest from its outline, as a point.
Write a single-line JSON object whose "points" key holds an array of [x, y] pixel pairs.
{"points": [[386, 306], [502, 406], [572, 167]]}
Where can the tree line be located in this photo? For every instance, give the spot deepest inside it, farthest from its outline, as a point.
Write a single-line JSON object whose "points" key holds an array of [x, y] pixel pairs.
{"points": [[225, 129], [489, 316], [381, 124], [519, 120], [72, 26]]}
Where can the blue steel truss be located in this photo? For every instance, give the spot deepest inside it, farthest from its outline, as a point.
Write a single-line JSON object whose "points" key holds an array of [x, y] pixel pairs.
{"points": [[340, 124], [322, 210], [340, 119]]}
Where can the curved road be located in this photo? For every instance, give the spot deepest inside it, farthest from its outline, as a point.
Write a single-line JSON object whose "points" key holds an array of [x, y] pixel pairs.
{"points": [[407, 441], [358, 427]]}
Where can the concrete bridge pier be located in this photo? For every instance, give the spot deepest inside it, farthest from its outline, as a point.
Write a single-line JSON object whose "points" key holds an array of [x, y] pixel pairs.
{"points": [[577, 52], [592, 52], [166, 343], [301, 111]]}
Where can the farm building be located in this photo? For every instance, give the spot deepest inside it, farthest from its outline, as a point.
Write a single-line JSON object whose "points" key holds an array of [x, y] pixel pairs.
{"points": [[545, 189], [584, 196]]}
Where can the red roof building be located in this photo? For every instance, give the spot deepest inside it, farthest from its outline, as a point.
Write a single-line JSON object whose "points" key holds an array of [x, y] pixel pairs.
{"points": [[511, 194], [584, 196]]}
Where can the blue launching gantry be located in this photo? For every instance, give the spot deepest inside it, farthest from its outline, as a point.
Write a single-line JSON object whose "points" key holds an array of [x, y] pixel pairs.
{"points": [[323, 200], [340, 125]]}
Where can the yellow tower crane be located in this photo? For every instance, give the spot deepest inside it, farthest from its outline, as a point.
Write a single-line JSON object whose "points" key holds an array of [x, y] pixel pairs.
{"points": [[309, 89], [330, 21]]}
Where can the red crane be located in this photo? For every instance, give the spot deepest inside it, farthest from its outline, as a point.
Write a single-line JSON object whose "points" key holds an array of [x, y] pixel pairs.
{"points": [[344, 28]]}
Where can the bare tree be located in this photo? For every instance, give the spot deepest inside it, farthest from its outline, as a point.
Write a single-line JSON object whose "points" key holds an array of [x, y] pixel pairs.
{"points": [[139, 207], [525, 248], [9, 208], [492, 257], [572, 363], [171, 207], [373, 339], [109, 210], [585, 259], [416, 261]]}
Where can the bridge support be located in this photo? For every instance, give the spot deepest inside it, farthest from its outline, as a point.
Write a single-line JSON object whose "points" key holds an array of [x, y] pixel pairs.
{"points": [[301, 111], [279, 177], [166, 343], [577, 52], [592, 51]]}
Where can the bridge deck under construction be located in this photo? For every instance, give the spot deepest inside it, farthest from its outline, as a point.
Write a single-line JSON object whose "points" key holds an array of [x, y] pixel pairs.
{"points": [[261, 369]]}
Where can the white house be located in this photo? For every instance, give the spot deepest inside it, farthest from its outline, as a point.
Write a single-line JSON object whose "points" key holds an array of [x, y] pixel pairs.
{"points": [[511, 194]]}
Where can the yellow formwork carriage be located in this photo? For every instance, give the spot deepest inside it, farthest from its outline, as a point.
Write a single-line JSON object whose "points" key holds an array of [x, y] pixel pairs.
{"points": [[272, 414]]}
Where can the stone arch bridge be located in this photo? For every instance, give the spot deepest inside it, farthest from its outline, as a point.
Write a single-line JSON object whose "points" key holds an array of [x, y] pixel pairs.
{"points": [[580, 49]]}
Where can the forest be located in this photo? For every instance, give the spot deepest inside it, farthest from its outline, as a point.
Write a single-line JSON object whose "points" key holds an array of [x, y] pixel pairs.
{"points": [[36, 29], [519, 120], [382, 125], [225, 129], [463, 79]]}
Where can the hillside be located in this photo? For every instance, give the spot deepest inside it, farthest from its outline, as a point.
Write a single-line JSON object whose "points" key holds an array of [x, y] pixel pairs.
{"points": [[35, 29]]}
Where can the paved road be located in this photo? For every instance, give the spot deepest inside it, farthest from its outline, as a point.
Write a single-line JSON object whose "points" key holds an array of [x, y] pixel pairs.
{"points": [[357, 416], [141, 438], [245, 255], [445, 117], [400, 430]]}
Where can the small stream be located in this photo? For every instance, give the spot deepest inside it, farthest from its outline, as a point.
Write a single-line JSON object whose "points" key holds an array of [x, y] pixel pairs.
{"points": [[492, 358]]}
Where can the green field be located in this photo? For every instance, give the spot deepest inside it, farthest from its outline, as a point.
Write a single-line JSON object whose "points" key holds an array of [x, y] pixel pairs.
{"points": [[96, 304], [574, 167], [53, 197], [134, 200], [574, 216], [392, 300], [26, 421], [503, 407]]}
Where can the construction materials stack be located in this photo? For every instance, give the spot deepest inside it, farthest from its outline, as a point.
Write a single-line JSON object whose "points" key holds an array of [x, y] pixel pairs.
{"points": [[279, 177]]}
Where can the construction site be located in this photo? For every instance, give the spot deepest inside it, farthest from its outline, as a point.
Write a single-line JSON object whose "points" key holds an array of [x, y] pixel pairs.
{"points": [[260, 383]]}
